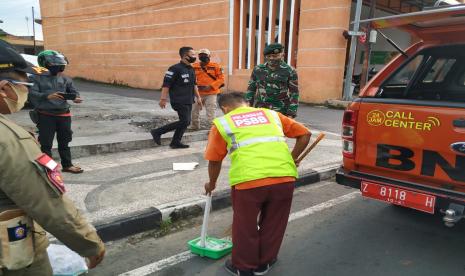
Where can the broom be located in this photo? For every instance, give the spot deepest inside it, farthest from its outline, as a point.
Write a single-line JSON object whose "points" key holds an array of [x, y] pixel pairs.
{"points": [[228, 232], [310, 148]]}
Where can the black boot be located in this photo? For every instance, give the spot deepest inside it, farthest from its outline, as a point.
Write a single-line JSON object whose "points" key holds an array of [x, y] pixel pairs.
{"points": [[156, 136], [178, 145]]}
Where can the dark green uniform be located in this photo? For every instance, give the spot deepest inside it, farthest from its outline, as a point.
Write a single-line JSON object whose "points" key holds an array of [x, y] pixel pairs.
{"points": [[25, 185], [275, 89]]}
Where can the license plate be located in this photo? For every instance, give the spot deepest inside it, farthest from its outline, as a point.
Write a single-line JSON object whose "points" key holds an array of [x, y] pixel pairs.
{"points": [[414, 200]]}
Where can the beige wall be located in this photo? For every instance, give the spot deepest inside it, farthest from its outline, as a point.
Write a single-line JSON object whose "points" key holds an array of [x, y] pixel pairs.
{"points": [[322, 49], [133, 42]]}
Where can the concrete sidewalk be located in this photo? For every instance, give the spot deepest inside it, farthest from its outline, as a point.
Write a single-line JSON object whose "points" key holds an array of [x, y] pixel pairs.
{"points": [[126, 193]]}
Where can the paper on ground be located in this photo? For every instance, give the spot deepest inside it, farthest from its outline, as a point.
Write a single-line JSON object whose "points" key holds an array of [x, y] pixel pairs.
{"points": [[185, 166]]}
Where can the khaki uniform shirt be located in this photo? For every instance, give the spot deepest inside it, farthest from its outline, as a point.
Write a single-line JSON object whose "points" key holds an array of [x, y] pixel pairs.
{"points": [[24, 184]]}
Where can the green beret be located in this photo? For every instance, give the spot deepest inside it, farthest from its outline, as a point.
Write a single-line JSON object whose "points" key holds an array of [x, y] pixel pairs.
{"points": [[274, 48]]}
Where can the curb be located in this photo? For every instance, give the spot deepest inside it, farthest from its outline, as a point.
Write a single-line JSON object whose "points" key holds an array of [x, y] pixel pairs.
{"points": [[337, 104], [105, 148], [153, 217], [131, 224]]}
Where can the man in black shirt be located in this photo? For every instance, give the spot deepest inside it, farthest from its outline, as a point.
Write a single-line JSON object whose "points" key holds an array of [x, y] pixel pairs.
{"points": [[180, 84]]}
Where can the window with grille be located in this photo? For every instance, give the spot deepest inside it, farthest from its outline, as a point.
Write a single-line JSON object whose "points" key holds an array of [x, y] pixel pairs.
{"points": [[261, 22]]}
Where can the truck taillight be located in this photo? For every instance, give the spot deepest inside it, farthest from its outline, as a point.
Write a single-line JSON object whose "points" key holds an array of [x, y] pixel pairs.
{"points": [[349, 122]]}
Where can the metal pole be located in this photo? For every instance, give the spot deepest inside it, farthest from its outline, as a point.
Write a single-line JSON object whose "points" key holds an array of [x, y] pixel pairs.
{"points": [[368, 49], [353, 50], [34, 30]]}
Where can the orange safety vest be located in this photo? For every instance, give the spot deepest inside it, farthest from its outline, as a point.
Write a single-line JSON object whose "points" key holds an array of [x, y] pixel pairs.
{"points": [[211, 74], [256, 144]]}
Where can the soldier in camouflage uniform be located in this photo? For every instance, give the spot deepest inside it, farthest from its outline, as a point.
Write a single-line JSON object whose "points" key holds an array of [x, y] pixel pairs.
{"points": [[274, 84]]}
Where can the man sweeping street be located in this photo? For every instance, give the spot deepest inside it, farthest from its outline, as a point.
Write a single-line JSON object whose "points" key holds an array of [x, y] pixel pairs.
{"points": [[262, 176]]}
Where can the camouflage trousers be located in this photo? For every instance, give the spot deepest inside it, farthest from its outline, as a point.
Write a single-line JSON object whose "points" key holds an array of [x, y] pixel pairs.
{"points": [[40, 267], [209, 104]]}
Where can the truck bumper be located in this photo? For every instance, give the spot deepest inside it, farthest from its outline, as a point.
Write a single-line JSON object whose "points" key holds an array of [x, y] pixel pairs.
{"points": [[343, 179], [444, 197]]}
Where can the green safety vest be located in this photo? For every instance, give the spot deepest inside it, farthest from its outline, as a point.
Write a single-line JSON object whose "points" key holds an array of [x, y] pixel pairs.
{"points": [[256, 145]]}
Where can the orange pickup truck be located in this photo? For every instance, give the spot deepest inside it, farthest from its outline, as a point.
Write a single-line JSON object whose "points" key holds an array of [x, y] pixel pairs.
{"points": [[404, 137]]}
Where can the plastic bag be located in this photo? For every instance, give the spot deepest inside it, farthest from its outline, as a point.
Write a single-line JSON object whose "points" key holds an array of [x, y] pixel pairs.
{"points": [[66, 262]]}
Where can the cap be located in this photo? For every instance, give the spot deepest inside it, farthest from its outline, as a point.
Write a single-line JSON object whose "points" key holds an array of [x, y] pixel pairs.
{"points": [[204, 51], [11, 60], [274, 48]]}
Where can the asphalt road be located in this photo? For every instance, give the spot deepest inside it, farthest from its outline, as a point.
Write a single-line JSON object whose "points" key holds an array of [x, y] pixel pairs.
{"points": [[318, 117], [334, 231]]}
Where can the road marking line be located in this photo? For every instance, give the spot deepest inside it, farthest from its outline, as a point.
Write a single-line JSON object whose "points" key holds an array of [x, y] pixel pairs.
{"points": [[160, 265], [187, 255], [323, 206], [312, 187]]}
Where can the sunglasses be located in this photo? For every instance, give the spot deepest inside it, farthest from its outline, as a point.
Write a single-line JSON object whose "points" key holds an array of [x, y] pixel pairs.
{"points": [[18, 82]]}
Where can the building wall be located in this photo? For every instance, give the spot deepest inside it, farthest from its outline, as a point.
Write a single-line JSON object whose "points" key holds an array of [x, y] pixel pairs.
{"points": [[133, 42], [322, 49], [238, 80]]}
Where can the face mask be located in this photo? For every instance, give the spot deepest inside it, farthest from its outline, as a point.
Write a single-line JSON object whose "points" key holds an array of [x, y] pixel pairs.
{"points": [[54, 70], [274, 62], [190, 59], [204, 59], [21, 92]]}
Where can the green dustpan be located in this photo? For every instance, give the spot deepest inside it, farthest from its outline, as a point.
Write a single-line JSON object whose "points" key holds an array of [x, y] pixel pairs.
{"points": [[208, 246]]}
